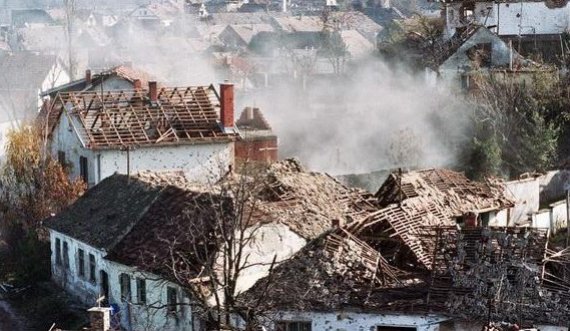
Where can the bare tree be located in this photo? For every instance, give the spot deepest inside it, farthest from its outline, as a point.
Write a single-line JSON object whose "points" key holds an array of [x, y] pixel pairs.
{"points": [[211, 245]]}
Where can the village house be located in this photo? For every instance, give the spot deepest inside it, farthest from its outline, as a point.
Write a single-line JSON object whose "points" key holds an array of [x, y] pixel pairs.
{"points": [[25, 76], [475, 50], [102, 246], [96, 134], [122, 77]]}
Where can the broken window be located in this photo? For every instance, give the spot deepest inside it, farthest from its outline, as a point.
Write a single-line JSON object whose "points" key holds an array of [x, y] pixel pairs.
{"points": [[171, 299], [125, 283], [65, 255], [141, 290], [81, 261], [92, 267], [293, 326], [57, 251], [466, 11], [84, 169]]}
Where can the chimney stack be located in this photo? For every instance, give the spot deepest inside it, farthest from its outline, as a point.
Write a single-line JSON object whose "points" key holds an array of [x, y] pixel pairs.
{"points": [[100, 318], [137, 84], [227, 105], [88, 76], [153, 91]]}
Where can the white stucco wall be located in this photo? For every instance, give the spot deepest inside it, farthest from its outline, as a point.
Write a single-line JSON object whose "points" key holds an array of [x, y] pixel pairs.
{"points": [[132, 315], [558, 215], [526, 193], [269, 240], [336, 321], [541, 219], [200, 162], [524, 18], [498, 218]]}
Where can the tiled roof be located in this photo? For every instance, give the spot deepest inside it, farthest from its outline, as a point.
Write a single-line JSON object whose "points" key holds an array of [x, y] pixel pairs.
{"points": [[117, 119]]}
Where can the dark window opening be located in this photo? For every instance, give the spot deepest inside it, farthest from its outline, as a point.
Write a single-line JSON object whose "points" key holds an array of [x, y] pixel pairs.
{"points": [[104, 277], [58, 251], [125, 283], [65, 255], [92, 267], [171, 299], [61, 158], [84, 169], [293, 326], [141, 290], [81, 261]]}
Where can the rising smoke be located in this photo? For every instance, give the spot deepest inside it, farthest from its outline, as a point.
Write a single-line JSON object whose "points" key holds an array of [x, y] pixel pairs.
{"points": [[378, 117]]}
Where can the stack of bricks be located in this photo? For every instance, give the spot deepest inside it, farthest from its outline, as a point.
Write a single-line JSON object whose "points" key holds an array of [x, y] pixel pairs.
{"points": [[100, 318]]}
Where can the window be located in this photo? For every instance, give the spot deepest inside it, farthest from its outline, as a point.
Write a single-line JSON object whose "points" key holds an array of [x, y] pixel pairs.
{"points": [[83, 169], [61, 158], [171, 299], [92, 267], [125, 282], [293, 326], [81, 261], [65, 255], [58, 251], [141, 290]]}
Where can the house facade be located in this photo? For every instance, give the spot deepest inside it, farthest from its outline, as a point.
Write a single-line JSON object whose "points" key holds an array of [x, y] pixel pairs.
{"points": [[157, 129], [102, 247]]}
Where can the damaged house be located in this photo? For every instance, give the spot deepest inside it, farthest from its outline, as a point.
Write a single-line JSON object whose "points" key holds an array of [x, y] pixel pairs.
{"points": [[116, 240], [436, 255], [475, 50], [96, 134]]}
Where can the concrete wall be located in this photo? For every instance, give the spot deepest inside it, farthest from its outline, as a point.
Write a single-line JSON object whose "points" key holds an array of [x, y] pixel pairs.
{"points": [[361, 322], [132, 314], [526, 195]]}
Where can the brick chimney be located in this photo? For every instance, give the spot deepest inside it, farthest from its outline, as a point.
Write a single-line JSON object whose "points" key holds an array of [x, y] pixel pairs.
{"points": [[153, 91], [100, 319], [88, 76], [137, 84], [227, 105]]}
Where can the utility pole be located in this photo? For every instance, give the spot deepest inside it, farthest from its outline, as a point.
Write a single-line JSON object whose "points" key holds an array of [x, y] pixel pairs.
{"points": [[567, 217]]}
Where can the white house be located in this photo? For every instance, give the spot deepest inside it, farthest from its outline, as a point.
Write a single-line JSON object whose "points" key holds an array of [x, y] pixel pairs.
{"points": [[127, 131], [115, 240], [25, 76], [509, 18]]}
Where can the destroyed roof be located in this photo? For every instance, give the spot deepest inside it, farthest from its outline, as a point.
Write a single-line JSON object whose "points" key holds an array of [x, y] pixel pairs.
{"points": [[24, 17], [337, 271], [116, 119], [457, 193], [308, 202], [413, 201]]}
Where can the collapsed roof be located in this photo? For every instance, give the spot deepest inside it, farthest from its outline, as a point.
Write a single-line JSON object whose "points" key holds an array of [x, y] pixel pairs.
{"points": [[432, 197], [118, 119]]}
